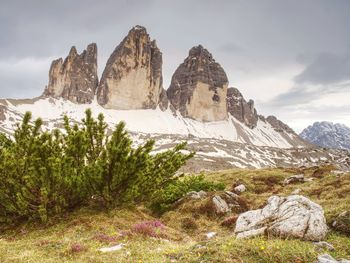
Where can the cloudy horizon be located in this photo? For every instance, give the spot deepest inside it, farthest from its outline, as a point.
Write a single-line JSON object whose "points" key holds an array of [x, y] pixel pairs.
{"points": [[292, 59]]}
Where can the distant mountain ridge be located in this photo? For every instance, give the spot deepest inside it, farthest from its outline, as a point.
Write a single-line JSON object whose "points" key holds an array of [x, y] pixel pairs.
{"points": [[328, 135]]}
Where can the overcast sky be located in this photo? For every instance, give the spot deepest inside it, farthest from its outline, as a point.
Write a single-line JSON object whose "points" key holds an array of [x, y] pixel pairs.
{"points": [[291, 57]]}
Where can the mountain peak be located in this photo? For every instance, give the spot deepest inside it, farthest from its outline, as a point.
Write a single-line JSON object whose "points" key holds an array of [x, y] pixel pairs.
{"points": [[73, 52], [75, 78], [198, 87], [239, 108], [139, 28], [327, 134], [132, 78]]}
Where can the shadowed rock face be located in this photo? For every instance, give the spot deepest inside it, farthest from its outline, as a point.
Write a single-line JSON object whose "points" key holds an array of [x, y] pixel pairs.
{"points": [[75, 78], [132, 78], [240, 109], [198, 87]]}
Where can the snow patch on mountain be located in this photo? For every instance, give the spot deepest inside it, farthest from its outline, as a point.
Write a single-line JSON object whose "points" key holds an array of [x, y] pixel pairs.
{"points": [[148, 121]]}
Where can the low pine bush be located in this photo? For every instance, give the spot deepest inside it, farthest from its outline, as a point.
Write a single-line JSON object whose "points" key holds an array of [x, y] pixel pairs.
{"points": [[165, 197], [47, 173]]}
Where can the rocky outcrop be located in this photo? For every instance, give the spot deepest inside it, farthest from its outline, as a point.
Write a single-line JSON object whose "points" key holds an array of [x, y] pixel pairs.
{"points": [[75, 78], [239, 108], [278, 125], [292, 216], [132, 78], [198, 87]]}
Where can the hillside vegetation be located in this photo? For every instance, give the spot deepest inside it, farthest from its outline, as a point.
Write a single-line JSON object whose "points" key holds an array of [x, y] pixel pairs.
{"points": [[179, 234]]}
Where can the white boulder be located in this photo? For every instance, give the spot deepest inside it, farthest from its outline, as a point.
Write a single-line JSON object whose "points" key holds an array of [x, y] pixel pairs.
{"points": [[293, 216], [240, 188]]}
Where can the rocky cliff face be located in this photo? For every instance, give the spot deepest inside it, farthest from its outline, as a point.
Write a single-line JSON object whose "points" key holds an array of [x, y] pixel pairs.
{"points": [[328, 135], [240, 109], [132, 78], [198, 87], [75, 78]]}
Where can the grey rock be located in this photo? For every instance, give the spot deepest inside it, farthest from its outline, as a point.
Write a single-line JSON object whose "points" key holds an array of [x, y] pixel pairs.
{"points": [[231, 194], [198, 87], [298, 178], [324, 244], [75, 78], [197, 195], [293, 216], [132, 78], [240, 188], [240, 109], [221, 207]]}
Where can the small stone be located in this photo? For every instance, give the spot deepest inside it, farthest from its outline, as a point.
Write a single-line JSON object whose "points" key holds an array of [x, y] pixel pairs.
{"points": [[110, 249], [298, 178], [231, 194], [210, 234], [323, 244], [220, 205], [240, 188]]}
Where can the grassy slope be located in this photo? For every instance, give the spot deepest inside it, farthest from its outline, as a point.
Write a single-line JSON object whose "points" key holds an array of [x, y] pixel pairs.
{"points": [[77, 237]]}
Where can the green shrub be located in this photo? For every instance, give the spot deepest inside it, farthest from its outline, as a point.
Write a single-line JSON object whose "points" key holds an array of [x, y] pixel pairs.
{"points": [[47, 173], [164, 198]]}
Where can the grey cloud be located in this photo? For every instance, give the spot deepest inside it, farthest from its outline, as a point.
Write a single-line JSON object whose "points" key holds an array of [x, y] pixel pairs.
{"points": [[302, 94], [231, 47], [326, 68], [45, 28]]}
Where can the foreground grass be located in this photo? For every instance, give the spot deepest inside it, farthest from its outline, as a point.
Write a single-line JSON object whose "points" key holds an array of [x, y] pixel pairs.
{"points": [[79, 236]]}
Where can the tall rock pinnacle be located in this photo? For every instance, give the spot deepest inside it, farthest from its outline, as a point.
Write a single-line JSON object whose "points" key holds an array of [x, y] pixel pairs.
{"points": [[75, 78], [132, 78], [198, 87], [240, 109]]}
